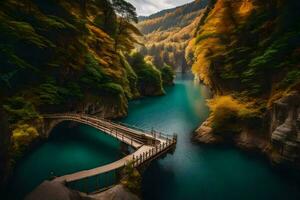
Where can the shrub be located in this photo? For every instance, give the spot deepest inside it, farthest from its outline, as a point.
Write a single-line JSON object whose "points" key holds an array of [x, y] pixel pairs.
{"points": [[22, 136], [228, 114], [149, 78], [19, 109], [131, 179]]}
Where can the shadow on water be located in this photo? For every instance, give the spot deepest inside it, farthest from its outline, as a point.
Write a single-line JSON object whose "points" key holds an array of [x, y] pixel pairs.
{"points": [[76, 132]]}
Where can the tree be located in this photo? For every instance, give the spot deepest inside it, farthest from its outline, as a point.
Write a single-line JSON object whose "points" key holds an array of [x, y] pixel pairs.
{"points": [[108, 19], [124, 39], [126, 10]]}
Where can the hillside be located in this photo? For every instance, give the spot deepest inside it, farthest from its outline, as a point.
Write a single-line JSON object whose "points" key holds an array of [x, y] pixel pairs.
{"points": [[166, 34], [65, 56], [247, 51]]}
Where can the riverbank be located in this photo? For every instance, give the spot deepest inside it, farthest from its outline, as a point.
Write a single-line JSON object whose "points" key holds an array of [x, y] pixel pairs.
{"points": [[279, 142]]}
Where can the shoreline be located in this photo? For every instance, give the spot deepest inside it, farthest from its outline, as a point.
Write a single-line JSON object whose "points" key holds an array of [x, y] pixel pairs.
{"points": [[203, 135]]}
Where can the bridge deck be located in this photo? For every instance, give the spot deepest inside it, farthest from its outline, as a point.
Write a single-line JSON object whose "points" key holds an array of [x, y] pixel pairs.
{"points": [[103, 169]]}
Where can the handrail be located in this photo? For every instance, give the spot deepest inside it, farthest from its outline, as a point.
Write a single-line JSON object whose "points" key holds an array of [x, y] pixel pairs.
{"points": [[134, 128]]}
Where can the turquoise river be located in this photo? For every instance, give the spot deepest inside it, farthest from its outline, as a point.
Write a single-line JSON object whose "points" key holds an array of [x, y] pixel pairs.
{"points": [[193, 171]]}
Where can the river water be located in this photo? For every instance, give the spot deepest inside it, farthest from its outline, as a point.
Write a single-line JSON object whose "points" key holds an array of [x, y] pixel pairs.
{"points": [[193, 171]]}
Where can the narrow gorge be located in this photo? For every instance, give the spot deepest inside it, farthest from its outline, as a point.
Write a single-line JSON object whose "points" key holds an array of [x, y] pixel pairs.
{"points": [[223, 76]]}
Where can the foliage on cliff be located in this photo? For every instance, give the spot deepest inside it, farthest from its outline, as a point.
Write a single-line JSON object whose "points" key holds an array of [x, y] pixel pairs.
{"points": [[228, 114], [131, 179], [149, 78], [167, 75], [61, 56], [248, 49], [249, 46], [166, 34]]}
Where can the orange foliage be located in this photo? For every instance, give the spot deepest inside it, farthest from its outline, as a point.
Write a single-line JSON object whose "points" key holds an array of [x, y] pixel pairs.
{"points": [[227, 111], [246, 8], [217, 34]]}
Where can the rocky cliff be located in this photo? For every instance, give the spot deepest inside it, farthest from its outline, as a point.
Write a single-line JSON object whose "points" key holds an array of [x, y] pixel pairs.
{"points": [[285, 129], [247, 51]]}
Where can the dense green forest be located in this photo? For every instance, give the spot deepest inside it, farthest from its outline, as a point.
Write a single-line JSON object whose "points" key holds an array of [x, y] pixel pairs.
{"points": [[62, 56]]}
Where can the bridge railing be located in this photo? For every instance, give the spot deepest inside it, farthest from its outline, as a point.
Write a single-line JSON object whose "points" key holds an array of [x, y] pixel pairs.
{"points": [[152, 153], [107, 179], [111, 131], [155, 134], [152, 132]]}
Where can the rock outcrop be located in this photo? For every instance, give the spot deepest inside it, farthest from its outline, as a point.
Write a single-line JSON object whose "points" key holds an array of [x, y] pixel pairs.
{"points": [[204, 134], [285, 129], [281, 144], [50, 190], [118, 192]]}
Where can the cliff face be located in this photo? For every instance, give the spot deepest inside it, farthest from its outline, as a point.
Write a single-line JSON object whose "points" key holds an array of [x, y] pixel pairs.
{"points": [[247, 51], [166, 34], [285, 129]]}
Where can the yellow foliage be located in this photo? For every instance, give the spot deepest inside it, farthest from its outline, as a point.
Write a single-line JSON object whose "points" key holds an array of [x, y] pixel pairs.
{"points": [[246, 8], [228, 113], [217, 34], [22, 136], [201, 67]]}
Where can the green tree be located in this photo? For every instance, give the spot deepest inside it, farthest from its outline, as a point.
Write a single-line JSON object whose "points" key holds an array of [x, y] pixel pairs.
{"points": [[124, 39], [167, 74]]}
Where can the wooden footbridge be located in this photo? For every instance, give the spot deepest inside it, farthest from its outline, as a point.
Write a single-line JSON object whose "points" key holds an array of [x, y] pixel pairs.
{"points": [[148, 145]]}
